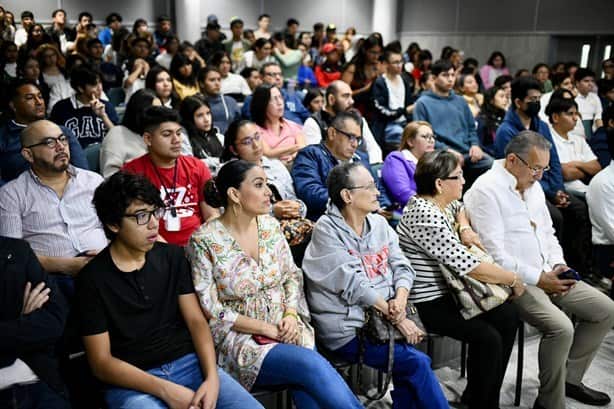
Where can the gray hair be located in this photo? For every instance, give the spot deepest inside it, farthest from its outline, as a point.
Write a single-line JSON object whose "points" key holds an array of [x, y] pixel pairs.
{"points": [[522, 143]]}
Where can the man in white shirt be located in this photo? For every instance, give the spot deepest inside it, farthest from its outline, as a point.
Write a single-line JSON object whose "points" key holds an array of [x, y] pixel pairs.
{"points": [[578, 161], [589, 105], [27, 21], [339, 99], [600, 197], [507, 209]]}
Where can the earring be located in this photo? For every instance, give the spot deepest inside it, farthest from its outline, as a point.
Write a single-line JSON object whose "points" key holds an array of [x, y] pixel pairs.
{"points": [[234, 208], [439, 191]]}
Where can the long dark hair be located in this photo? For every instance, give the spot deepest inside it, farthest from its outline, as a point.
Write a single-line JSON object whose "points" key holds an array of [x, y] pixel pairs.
{"points": [[360, 59], [260, 101], [203, 142], [231, 137], [152, 78], [178, 61], [232, 174], [138, 102]]}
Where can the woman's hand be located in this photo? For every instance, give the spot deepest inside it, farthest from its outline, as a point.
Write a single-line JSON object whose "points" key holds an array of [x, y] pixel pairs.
{"points": [[470, 238], [410, 331], [518, 289], [396, 309], [288, 329], [286, 209]]}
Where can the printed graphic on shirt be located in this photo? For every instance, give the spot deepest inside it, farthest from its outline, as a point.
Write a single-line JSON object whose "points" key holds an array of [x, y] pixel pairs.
{"points": [[375, 264], [86, 126], [183, 199]]}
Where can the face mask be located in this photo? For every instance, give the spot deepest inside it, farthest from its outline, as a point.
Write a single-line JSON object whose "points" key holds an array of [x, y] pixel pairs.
{"points": [[533, 109]]}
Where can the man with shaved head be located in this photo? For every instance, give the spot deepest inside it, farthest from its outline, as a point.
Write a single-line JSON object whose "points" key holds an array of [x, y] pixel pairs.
{"points": [[50, 205], [339, 99]]}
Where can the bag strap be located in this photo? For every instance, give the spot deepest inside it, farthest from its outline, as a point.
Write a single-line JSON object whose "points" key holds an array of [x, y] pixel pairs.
{"points": [[361, 357]]}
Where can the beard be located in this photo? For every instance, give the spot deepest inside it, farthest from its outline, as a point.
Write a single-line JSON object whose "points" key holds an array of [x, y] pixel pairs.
{"points": [[54, 166]]}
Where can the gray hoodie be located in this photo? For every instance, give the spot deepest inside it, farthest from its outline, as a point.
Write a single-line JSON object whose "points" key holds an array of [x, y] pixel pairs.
{"points": [[345, 273]]}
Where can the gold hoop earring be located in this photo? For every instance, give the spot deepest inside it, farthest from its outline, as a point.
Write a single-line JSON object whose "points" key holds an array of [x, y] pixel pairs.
{"points": [[234, 208]]}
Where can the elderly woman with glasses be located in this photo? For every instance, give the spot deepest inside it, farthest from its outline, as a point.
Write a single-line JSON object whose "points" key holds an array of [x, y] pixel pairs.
{"points": [[354, 263], [400, 166], [435, 231]]}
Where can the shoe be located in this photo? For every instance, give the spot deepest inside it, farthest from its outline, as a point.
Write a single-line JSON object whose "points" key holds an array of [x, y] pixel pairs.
{"points": [[586, 395], [536, 405]]}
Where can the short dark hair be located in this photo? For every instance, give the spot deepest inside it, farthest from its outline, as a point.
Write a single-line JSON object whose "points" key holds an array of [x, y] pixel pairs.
{"points": [[503, 79], [136, 40], [583, 73], [339, 178], [267, 65], [92, 41], [540, 65], [558, 77], [390, 52], [440, 66], [156, 115], [138, 102], [236, 21], [260, 17], [16, 84], [432, 166], [113, 17], [292, 21], [260, 101], [82, 76], [230, 137], [342, 117], [27, 14], [247, 72], [232, 174], [318, 27], [521, 87], [85, 14], [163, 17], [113, 197], [56, 11], [559, 105]]}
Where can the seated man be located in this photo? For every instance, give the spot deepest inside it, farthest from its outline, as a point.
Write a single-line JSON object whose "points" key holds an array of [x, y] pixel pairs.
{"points": [[313, 163], [50, 205], [144, 332], [508, 211], [578, 162], [589, 104], [452, 121], [339, 99], [294, 110], [180, 179], [600, 198], [599, 140], [32, 317], [84, 113], [28, 105], [394, 102]]}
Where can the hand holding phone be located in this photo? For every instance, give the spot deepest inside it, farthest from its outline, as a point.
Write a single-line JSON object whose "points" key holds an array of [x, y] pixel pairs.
{"points": [[569, 274]]}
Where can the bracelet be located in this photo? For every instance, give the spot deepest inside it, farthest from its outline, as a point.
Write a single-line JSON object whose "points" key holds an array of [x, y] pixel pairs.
{"points": [[290, 314], [463, 228]]}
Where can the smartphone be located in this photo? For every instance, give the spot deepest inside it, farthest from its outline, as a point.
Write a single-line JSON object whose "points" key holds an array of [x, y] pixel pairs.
{"points": [[262, 340], [570, 274], [83, 254]]}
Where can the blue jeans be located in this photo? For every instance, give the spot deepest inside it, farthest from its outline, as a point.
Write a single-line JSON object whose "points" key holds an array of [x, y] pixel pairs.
{"points": [[184, 371], [32, 396], [415, 384], [314, 382], [394, 131]]}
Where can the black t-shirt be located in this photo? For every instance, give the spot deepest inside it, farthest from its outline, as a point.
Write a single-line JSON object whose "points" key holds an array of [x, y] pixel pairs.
{"points": [[139, 309]]}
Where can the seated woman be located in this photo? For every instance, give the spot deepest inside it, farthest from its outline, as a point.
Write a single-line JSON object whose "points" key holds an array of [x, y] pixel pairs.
{"points": [[184, 76], [233, 84], [467, 87], [428, 239], [252, 293], [243, 141], [206, 140], [354, 262], [282, 138], [159, 80], [400, 166], [491, 116]]}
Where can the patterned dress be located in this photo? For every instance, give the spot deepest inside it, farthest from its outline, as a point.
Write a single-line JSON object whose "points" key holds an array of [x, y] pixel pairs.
{"points": [[229, 282]]}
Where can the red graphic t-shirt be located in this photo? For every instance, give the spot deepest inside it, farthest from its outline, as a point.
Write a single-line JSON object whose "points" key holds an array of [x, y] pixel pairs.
{"points": [[185, 195]]}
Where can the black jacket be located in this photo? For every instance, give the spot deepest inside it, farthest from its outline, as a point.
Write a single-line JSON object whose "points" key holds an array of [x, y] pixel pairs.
{"points": [[30, 337], [381, 102]]}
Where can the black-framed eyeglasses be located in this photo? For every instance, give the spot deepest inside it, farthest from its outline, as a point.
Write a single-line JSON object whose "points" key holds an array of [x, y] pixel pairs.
{"points": [[250, 139], [454, 177], [535, 170], [370, 186], [144, 216], [351, 136], [429, 137], [50, 142]]}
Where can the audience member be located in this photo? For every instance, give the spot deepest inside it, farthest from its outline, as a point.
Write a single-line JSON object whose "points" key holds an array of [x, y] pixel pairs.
{"points": [[32, 317], [578, 162], [236, 46], [354, 263], [144, 332], [330, 69], [507, 209], [253, 292], [184, 77], [258, 55], [171, 48], [491, 117], [541, 72], [210, 42], [314, 100], [467, 86], [7, 30], [494, 68], [589, 105], [8, 54], [400, 166], [599, 140], [85, 114], [159, 81], [27, 104], [252, 76], [559, 81], [110, 74], [179, 178], [29, 69], [232, 84], [60, 34], [224, 109], [264, 21], [289, 59], [136, 66], [62, 89], [21, 34], [428, 239], [164, 30], [282, 139], [362, 70], [114, 25], [452, 121]]}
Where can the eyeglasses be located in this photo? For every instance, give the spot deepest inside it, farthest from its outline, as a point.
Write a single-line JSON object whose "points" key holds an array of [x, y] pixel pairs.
{"points": [[250, 139], [50, 142], [144, 216], [535, 170], [273, 74], [370, 186], [429, 137], [351, 137], [455, 177]]}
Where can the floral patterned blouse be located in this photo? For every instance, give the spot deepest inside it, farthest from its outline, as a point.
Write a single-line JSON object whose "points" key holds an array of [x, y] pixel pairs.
{"points": [[229, 282]]}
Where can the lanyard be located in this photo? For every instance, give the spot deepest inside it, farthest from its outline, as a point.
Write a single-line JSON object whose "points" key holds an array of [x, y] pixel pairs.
{"points": [[173, 209]]}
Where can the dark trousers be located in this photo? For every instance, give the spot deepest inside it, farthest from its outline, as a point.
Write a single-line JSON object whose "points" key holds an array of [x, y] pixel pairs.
{"points": [[32, 396], [490, 337], [573, 229]]}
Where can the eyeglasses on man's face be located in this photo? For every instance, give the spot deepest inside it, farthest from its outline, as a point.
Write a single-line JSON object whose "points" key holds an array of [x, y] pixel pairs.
{"points": [[350, 136], [535, 170], [143, 217], [50, 142]]}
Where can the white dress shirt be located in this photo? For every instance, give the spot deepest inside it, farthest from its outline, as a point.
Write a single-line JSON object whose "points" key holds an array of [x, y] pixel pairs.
{"points": [[600, 199], [574, 148], [515, 229], [589, 106]]}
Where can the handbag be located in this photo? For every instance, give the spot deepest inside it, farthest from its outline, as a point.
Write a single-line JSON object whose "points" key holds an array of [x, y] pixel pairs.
{"points": [[378, 330], [296, 230], [474, 296]]}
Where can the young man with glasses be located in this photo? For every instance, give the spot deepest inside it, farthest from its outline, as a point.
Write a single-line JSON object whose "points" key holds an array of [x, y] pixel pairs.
{"points": [[50, 205], [314, 162], [144, 332], [508, 211]]}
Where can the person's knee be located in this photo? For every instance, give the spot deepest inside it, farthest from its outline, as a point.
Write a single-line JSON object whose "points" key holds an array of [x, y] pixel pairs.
{"points": [[562, 331], [138, 401]]}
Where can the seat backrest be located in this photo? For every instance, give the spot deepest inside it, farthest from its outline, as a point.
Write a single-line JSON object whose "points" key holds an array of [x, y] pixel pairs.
{"points": [[92, 153]]}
